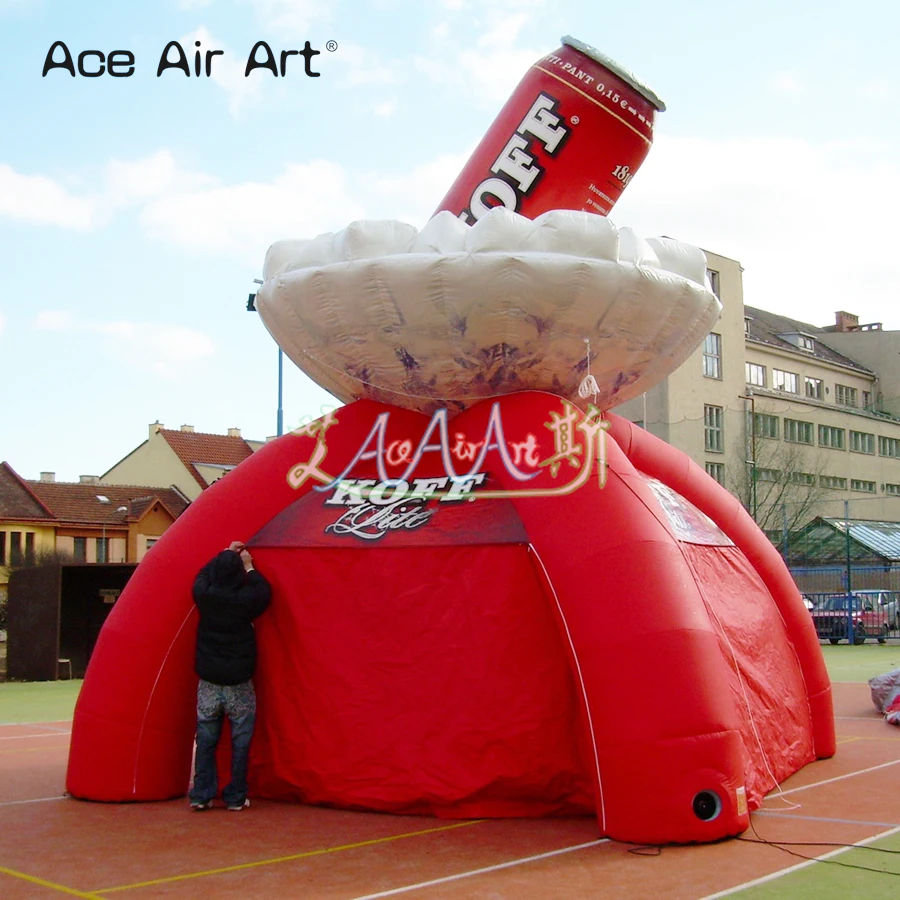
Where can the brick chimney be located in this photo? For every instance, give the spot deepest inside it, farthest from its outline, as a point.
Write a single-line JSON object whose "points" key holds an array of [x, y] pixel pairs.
{"points": [[844, 321], [188, 428], [89, 479], [155, 427], [48, 476], [234, 432]]}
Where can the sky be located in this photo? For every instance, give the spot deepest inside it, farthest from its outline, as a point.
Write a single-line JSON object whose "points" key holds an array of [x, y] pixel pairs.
{"points": [[135, 212]]}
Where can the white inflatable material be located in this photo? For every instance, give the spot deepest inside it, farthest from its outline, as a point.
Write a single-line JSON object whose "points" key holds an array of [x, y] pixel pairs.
{"points": [[455, 313]]}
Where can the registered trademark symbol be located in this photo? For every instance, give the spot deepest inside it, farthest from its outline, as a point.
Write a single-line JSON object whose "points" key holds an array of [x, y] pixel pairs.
{"points": [[574, 120], [331, 46]]}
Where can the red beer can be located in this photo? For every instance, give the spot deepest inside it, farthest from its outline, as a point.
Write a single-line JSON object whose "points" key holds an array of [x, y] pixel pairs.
{"points": [[572, 135]]}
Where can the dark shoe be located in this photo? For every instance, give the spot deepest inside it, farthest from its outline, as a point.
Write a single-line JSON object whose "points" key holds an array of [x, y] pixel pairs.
{"points": [[201, 805], [237, 807]]}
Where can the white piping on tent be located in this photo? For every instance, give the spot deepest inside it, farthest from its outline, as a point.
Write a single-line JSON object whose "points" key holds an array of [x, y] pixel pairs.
{"points": [[137, 751], [587, 705]]}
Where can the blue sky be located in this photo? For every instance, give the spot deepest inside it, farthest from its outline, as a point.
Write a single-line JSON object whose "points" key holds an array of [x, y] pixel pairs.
{"points": [[136, 212]]}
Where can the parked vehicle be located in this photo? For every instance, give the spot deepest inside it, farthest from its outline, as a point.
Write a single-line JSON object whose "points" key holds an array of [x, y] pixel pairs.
{"points": [[889, 601], [855, 617]]}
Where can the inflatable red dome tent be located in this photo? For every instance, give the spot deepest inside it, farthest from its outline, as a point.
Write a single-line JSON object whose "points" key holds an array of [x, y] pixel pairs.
{"points": [[570, 625]]}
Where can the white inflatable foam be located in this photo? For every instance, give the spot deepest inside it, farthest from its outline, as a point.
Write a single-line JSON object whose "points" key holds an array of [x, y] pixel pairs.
{"points": [[635, 249], [371, 238], [448, 317], [282, 256], [575, 233], [443, 233], [684, 259]]}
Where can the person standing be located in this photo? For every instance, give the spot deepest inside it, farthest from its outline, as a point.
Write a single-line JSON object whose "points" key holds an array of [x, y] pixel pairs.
{"points": [[229, 594]]}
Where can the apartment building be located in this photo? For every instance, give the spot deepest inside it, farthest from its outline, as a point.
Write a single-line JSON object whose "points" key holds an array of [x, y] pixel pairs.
{"points": [[797, 420]]}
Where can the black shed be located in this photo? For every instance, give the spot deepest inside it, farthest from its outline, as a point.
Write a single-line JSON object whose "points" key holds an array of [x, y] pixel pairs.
{"points": [[54, 617]]}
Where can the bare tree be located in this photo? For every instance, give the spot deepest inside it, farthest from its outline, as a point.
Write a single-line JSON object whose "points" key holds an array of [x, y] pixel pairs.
{"points": [[780, 485]]}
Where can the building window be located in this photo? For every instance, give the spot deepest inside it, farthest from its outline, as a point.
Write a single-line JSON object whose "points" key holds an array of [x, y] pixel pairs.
{"points": [[712, 428], [15, 548], [765, 426], [815, 389], [892, 488], [802, 478], [805, 343], [149, 542], [102, 550], [866, 487], [862, 442], [29, 548], [712, 356], [798, 432], [867, 399], [716, 471], [833, 482], [756, 374], [831, 437], [770, 475], [79, 549], [888, 447], [845, 396], [785, 381], [746, 324], [713, 277], [2, 548]]}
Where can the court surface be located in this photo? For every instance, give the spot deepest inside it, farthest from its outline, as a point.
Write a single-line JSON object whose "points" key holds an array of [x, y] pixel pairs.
{"points": [[831, 831]]}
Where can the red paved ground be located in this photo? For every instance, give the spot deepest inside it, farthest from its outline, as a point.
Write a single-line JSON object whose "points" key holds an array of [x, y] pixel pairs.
{"points": [[51, 846]]}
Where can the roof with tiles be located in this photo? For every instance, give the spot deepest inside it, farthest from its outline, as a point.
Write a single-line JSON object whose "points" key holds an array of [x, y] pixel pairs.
{"points": [[17, 500], [206, 449], [79, 503], [766, 327]]}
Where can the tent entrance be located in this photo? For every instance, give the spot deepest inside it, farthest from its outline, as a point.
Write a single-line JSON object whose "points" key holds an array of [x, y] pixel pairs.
{"points": [[427, 679]]}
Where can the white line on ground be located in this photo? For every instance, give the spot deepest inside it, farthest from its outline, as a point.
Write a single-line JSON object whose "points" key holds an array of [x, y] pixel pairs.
{"points": [[22, 737], [790, 815], [806, 787], [497, 868], [36, 800], [774, 875]]}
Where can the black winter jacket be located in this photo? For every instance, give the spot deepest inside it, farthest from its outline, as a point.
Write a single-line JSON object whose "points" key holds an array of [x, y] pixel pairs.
{"points": [[228, 600]]}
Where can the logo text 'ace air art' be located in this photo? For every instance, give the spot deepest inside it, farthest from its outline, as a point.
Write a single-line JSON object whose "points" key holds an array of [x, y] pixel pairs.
{"points": [[370, 507]]}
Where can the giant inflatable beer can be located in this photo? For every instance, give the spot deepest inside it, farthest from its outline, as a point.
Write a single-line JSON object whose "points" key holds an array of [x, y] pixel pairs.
{"points": [[572, 135]]}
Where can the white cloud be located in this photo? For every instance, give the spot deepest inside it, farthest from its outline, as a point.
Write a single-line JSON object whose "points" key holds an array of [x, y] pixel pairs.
{"points": [[489, 69], [413, 197], [54, 320], [227, 71], [787, 83], [243, 219], [386, 108], [43, 201], [877, 90], [290, 18], [136, 180], [13, 5], [361, 66], [814, 229], [170, 352]]}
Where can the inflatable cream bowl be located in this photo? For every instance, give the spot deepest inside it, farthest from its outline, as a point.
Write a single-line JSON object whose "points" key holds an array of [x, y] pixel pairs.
{"points": [[453, 314]]}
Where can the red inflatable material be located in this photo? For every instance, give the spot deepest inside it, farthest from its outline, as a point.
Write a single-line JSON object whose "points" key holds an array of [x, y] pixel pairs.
{"points": [[577, 637]]}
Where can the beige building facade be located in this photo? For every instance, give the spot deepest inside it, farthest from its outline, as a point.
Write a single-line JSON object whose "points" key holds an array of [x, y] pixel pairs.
{"points": [[796, 420], [184, 459]]}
